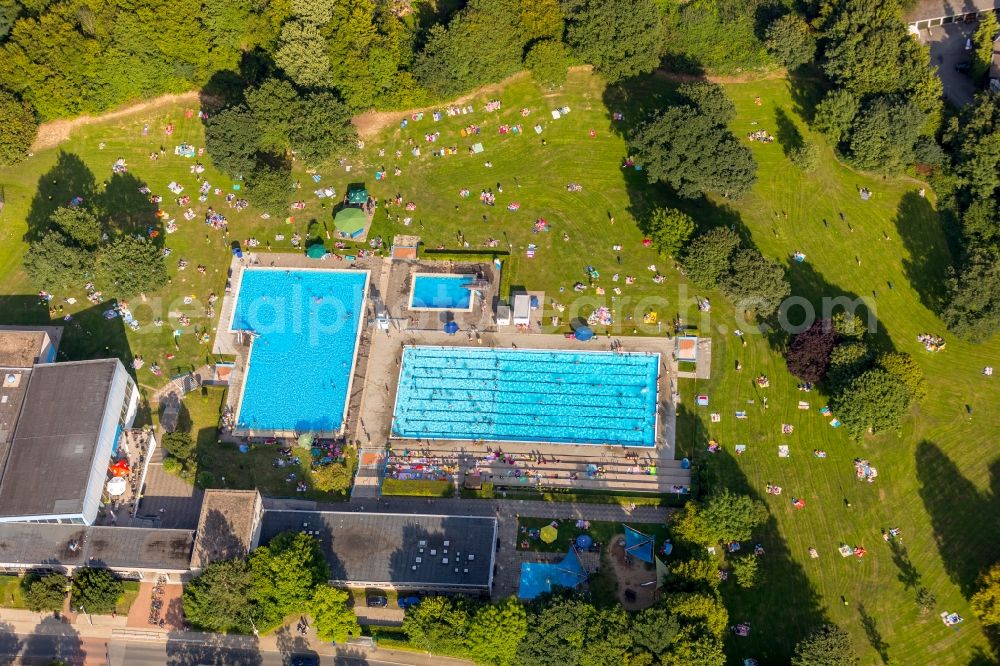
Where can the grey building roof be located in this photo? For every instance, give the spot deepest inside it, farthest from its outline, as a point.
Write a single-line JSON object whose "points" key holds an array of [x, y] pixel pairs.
{"points": [[225, 527], [49, 462], [383, 548], [932, 9], [124, 548]]}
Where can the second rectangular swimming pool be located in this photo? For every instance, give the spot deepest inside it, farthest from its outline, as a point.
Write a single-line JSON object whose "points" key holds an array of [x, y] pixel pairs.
{"points": [[525, 395], [436, 291]]}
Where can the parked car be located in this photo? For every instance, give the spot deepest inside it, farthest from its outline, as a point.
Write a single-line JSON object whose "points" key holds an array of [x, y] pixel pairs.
{"points": [[376, 601], [408, 602], [304, 660]]}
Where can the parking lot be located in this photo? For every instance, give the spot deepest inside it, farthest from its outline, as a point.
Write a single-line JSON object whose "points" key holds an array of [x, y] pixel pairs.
{"points": [[947, 44]]}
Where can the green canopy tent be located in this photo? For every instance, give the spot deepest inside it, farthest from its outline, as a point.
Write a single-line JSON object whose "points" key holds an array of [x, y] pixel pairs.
{"points": [[357, 196], [350, 221]]}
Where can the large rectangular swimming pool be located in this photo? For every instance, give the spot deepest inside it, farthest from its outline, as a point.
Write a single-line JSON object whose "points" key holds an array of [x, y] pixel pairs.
{"points": [[306, 325], [441, 292], [525, 395]]}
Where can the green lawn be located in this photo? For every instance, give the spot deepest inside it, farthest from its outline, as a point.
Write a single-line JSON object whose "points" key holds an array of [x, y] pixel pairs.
{"points": [[600, 531], [10, 592], [226, 467], [128, 598], [417, 487], [937, 478]]}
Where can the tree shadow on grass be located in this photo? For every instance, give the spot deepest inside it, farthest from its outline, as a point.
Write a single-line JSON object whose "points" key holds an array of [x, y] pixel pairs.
{"points": [[826, 300], [908, 574], [127, 209], [786, 132], [120, 203], [965, 521], [929, 257], [69, 178], [873, 635], [794, 609], [806, 85]]}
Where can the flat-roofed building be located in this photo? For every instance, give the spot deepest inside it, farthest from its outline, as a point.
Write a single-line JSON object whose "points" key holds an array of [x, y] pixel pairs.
{"points": [[131, 552], [413, 552], [229, 526], [68, 428], [925, 14]]}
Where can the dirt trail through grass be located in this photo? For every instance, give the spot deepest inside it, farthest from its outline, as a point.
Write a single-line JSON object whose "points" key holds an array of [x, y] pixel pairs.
{"points": [[51, 134]]}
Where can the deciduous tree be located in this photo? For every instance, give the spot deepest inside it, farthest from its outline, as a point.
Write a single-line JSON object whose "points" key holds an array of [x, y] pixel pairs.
{"points": [[333, 619], [808, 355], [755, 283], [873, 401], [53, 263], [95, 590], [691, 153], [982, 44], [496, 631], [218, 598], [973, 310], [129, 265], [620, 39], [707, 258], [670, 230], [828, 645], [17, 127], [790, 41], [285, 573], [834, 115], [80, 225], [547, 60], [986, 601], [711, 100]]}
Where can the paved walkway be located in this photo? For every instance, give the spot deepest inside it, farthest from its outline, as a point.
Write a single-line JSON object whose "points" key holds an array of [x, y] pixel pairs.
{"points": [[168, 501]]}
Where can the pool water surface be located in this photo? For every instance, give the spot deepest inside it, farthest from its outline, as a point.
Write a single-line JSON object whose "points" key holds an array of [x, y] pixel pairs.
{"points": [[306, 327], [441, 292], [527, 395]]}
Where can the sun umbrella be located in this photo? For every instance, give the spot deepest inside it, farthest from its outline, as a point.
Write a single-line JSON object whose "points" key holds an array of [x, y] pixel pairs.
{"points": [[117, 486], [548, 534], [317, 251], [584, 333], [451, 328], [350, 220], [584, 541]]}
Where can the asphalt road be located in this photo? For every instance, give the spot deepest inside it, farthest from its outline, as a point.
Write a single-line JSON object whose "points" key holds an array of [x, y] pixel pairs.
{"points": [[43, 649]]}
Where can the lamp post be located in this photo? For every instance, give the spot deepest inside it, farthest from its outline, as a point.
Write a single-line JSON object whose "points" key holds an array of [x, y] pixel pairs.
{"points": [[84, 611]]}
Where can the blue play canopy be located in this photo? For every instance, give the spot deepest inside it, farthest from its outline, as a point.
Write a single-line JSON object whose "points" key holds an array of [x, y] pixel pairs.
{"points": [[639, 545], [540, 577]]}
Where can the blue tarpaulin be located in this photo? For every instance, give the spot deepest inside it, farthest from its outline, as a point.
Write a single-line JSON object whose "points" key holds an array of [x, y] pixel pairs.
{"points": [[638, 545], [540, 577]]}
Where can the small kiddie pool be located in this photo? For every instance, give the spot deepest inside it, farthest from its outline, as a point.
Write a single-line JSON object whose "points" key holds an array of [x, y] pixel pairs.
{"points": [[442, 291]]}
